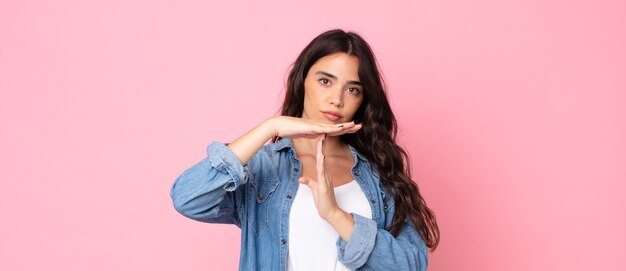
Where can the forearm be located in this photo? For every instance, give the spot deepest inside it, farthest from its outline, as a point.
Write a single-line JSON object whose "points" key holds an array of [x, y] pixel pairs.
{"points": [[248, 144], [371, 248], [201, 191], [343, 223]]}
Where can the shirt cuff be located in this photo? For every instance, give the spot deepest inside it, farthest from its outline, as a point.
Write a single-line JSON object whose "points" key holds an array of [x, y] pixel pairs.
{"points": [[354, 254], [224, 159]]}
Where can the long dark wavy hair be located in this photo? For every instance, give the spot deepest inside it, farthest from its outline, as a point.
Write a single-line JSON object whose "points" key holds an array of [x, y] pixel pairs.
{"points": [[376, 140]]}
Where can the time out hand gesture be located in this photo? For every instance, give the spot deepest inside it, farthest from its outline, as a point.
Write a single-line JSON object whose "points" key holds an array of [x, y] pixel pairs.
{"points": [[322, 187]]}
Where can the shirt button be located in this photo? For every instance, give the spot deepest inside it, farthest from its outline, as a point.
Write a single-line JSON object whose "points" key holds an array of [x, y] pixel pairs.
{"points": [[385, 206], [357, 173], [373, 200], [283, 241], [289, 196], [259, 197]]}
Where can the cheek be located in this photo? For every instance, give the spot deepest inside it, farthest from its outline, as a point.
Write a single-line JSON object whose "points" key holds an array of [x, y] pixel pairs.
{"points": [[309, 84], [354, 106], [309, 99], [307, 90], [311, 94], [356, 103]]}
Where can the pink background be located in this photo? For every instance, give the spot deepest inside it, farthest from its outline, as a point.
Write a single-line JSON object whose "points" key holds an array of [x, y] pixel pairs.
{"points": [[514, 113]]}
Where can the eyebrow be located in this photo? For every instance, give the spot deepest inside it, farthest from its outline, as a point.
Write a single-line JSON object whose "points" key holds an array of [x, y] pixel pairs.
{"points": [[335, 77]]}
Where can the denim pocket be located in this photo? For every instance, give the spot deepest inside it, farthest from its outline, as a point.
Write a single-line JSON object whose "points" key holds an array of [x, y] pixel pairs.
{"points": [[258, 215]]}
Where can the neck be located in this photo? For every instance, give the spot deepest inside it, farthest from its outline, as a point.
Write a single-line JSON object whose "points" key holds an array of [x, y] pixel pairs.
{"points": [[332, 146]]}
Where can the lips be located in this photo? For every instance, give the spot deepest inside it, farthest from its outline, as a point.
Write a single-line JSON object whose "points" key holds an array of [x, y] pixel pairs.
{"points": [[332, 116]]}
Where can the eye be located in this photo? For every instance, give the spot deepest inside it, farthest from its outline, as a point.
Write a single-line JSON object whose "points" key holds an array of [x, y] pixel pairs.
{"points": [[354, 91], [324, 81]]}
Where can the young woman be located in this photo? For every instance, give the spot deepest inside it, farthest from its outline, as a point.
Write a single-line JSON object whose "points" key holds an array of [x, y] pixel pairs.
{"points": [[332, 191]]}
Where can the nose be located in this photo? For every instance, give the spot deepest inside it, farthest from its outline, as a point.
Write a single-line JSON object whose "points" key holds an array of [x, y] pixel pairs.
{"points": [[336, 97]]}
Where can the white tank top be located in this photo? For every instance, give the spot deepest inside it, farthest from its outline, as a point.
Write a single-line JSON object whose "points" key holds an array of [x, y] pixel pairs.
{"points": [[312, 240]]}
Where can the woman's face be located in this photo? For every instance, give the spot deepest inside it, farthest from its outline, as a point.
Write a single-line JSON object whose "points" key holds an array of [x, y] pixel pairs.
{"points": [[332, 91]]}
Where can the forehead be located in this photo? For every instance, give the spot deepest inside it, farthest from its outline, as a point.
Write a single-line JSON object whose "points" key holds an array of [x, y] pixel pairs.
{"points": [[339, 64]]}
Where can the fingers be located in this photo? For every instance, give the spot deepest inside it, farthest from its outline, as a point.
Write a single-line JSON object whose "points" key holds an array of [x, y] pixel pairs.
{"points": [[349, 130], [320, 148], [324, 128], [342, 128], [317, 128], [344, 125], [320, 157], [319, 165]]}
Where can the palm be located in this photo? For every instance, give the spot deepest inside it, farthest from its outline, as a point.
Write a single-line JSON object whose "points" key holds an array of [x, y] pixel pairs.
{"points": [[322, 186]]}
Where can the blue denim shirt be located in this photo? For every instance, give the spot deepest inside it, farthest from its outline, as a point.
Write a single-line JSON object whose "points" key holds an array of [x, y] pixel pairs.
{"points": [[257, 198]]}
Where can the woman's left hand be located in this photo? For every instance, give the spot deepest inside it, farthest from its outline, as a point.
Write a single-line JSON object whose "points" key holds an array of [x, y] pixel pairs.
{"points": [[322, 188]]}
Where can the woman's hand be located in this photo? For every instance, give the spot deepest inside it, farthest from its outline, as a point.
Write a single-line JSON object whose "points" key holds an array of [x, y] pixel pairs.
{"points": [[292, 127], [248, 144], [322, 187]]}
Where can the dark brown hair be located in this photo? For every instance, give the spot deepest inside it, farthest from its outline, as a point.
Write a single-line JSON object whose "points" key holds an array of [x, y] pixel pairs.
{"points": [[376, 140]]}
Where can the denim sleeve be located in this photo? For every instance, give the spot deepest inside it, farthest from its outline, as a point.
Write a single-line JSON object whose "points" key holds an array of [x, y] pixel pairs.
{"points": [[371, 248], [211, 190]]}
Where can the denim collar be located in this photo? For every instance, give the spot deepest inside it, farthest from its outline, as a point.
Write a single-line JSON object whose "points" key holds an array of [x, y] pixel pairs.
{"points": [[285, 143]]}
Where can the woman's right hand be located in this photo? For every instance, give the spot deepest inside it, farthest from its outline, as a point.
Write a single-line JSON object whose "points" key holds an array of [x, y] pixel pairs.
{"points": [[293, 127]]}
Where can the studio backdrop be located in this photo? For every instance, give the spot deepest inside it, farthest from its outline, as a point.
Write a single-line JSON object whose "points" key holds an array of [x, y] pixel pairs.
{"points": [[513, 112]]}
